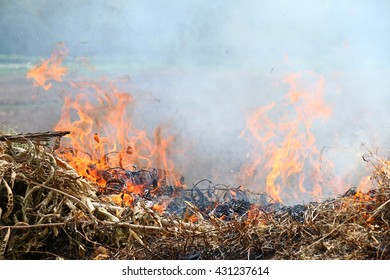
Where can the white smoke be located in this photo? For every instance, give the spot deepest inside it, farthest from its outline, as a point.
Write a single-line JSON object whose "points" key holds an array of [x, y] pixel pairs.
{"points": [[203, 66]]}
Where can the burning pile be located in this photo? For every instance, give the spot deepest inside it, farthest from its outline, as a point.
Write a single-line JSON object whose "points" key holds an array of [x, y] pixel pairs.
{"points": [[109, 190], [49, 212]]}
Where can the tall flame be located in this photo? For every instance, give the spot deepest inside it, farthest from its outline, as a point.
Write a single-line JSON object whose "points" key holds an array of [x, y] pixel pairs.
{"points": [[284, 155], [49, 69], [284, 159], [102, 132]]}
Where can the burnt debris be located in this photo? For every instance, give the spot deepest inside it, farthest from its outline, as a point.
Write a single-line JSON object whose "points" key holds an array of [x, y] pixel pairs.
{"points": [[49, 211], [221, 201]]}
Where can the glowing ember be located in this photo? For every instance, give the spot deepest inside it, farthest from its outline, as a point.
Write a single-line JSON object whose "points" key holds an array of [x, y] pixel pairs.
{"points": [[124, 199], [193, 219], [158, 208], [49, 69]]}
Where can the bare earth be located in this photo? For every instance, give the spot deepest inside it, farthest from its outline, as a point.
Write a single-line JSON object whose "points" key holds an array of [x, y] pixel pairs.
{"points": [[26, 108]]}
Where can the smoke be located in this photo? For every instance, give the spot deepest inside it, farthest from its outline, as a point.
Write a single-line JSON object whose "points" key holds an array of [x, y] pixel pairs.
{"points": [[201, 67]]}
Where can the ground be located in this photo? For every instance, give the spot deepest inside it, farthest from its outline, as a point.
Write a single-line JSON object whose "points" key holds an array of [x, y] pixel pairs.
{"points": [[25, 108]]}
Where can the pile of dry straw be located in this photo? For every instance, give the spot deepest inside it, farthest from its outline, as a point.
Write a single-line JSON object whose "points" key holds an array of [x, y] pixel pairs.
{"points": [[48, 212]]}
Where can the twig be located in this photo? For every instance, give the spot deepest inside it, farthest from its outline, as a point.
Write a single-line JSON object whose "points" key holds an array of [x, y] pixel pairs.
{"points": [[326, 235], [40, 136], [34, 226], [377, 210], [69, 196]]}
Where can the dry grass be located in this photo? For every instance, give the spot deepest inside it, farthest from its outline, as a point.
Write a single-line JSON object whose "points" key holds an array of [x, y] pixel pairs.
{"points": [[48, 212]]}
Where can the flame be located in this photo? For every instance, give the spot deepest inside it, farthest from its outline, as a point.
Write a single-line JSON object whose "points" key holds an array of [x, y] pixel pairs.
{"points": [[284, 155], [102, 131], [253, 213], [284, 160], [160, 208], [362, 196], [123, 199], [49, 69], [365, 184], [103, 135], [193, 218], [135, 189]]}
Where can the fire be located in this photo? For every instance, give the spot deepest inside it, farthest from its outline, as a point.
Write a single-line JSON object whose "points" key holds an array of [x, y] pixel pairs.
{"points": [[193, 219], [49, 69], [284, 154], [103, 135], [158, 208], [124, 199], [365, 184], [284, 160]]}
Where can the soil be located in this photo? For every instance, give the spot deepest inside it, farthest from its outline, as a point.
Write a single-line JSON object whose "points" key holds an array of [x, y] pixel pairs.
{"points": [[25, 108]]}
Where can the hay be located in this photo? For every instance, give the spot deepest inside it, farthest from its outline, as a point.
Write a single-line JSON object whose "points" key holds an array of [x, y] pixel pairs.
{"points": [[47, 211]]}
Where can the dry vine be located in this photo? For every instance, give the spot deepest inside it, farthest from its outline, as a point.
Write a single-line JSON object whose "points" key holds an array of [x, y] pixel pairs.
{"points": [[48, 212]]}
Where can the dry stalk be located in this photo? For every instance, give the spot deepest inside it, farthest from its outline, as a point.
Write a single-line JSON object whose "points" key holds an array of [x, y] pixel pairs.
{"points": [[55, 214], [10, 197], [4, 242]]}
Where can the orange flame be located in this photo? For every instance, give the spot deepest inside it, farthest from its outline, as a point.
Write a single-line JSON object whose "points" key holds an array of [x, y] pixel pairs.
{"points": [[193, 218], [284, 160], [365, 184], [49, 69], [283, 144], [124, 199], [102, 133], [160, 208]]}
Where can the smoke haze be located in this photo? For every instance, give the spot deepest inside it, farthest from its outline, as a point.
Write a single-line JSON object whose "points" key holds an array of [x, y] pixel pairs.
{"points": [[201, 67]]}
